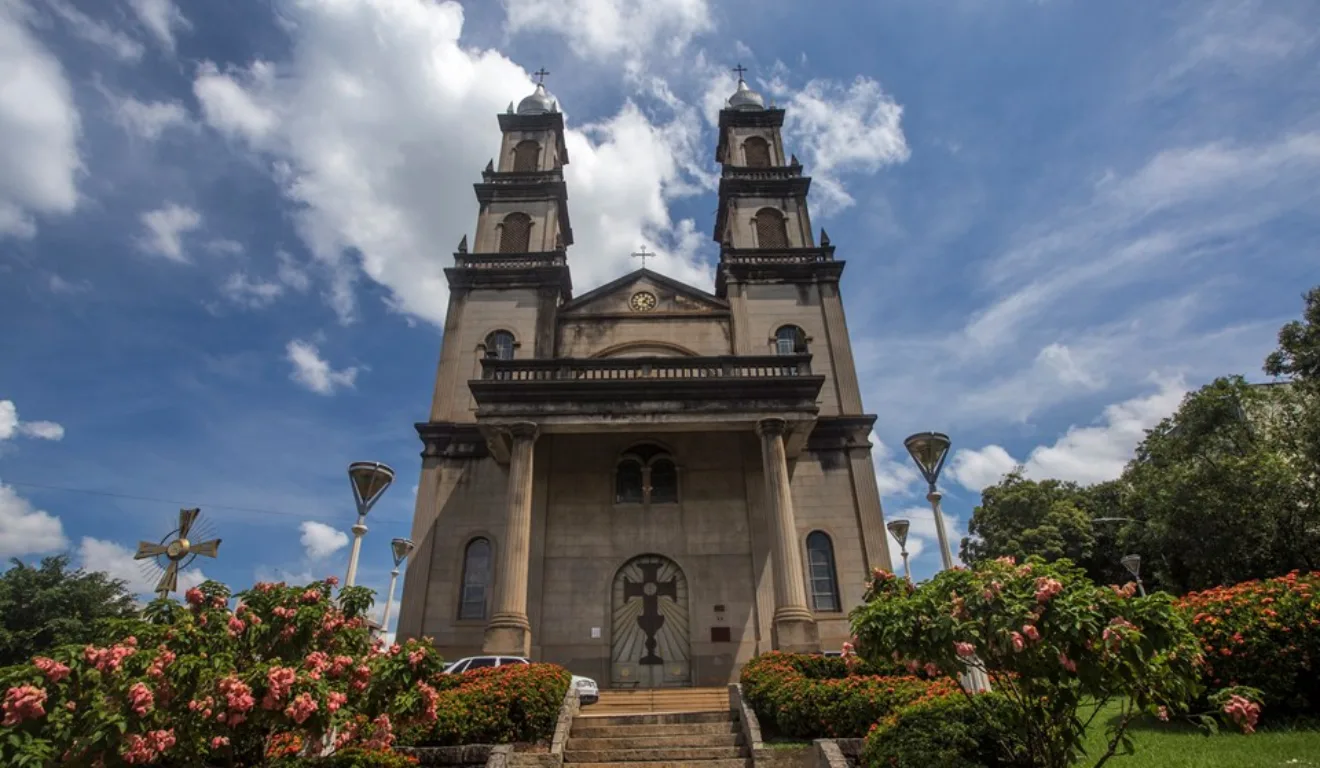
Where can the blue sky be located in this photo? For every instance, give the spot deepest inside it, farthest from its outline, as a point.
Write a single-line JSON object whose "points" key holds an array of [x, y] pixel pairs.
{"points": [[223, 225]]}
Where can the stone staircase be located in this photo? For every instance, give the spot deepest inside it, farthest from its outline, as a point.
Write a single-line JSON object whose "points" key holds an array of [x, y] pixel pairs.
{"points": [[666, 728]]}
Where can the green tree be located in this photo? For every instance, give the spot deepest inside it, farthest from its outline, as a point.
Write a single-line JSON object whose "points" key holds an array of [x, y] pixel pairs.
{"points": [[1298, 355], [50, 605], [1020, 517], [1219, 490]]}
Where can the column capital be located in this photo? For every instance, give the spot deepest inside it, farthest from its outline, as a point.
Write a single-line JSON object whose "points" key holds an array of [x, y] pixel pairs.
{"points": [[771, 426], [524, 430]]}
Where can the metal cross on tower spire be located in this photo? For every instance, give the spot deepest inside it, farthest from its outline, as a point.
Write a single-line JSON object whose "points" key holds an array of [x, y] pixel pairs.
{"points": [[643, 255], [740, 69], [540, 76]]}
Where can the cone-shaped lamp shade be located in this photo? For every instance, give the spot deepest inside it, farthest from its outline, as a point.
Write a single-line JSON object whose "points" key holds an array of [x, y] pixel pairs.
{"points": [[899, 530], [402, 548], [369, 480], [929, 450], [1133, 564]]}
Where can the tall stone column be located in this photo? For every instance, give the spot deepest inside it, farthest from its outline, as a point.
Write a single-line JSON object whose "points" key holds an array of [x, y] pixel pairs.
{"points": [[795, 627], [508, 633]]}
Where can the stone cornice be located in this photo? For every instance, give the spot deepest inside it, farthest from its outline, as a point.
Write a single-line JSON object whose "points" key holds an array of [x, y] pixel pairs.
{"points": [[841, 432], [451, 440], [791, 272], [557, 277]]}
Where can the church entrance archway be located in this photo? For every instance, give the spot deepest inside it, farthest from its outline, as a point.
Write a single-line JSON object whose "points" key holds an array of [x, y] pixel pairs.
{"points": [[650, 646]]}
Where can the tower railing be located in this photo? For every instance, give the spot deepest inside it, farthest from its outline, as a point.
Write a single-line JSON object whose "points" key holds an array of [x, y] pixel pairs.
{"points": [[723, 367]]}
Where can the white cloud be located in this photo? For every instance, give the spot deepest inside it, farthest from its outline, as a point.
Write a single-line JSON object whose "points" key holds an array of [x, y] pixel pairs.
{"points": [[894, 476], [140, 576], [838, 130], [10, 425], [611, 30], [148, 119], [922, 536], [166, 227], [224, 247], [39, 128], [1087, 455], [246, 292], [161, 19], [291, 273], [321, 540], [60, 285], [310, 370], [24, 529], [118, 44], [365, 129]]}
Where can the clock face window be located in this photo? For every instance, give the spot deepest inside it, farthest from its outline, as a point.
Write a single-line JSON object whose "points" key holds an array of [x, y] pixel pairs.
{"points": [[642, 301]]}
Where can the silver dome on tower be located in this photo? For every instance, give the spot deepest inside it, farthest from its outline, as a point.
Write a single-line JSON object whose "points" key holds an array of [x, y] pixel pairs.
{"points": [[540, 102], [744, 98]]}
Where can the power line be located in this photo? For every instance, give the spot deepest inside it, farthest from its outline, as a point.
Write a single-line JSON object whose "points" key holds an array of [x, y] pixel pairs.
{"points": [[193, 503]]}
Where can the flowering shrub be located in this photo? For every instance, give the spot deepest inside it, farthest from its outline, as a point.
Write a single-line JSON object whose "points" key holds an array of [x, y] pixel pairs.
{"points": [[950, 731], [1262, 634], [513, 703], [283, 672], [1051, 641], [809, 696]]}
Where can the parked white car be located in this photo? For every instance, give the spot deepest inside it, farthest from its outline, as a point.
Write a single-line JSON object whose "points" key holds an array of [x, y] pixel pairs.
{"points": [[587, 690]]}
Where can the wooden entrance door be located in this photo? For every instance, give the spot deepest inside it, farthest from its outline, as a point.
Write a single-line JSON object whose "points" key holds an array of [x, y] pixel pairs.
{"points": [[649, 632]]}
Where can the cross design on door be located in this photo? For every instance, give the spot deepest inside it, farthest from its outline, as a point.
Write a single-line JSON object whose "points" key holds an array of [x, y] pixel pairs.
{"points": [[650, 589]]}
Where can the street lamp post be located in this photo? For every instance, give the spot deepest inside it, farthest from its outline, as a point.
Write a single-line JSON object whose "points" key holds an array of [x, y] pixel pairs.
{"points": [[400, 548], [369, 480], [929, 450], [899, 530], [1133, 564]]}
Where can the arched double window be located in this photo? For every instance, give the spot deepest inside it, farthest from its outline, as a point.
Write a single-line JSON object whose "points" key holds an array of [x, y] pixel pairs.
{"points": [[499, 345], [515, 233], [476, 580], [790, 340], [646, 474], [526, 156], [756, 152], [771, 229], [821, 572]]}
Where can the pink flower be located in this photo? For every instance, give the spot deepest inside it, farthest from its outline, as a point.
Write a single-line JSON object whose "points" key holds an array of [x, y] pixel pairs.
{"points": [[280, 680], [164, 658], [332, 581], [847, 650], [140, 699], [141, 750], [1163, 714], [340, 665], [1067, 663], [236, 626], [310, 596], [1243, 711], [334, 700], [264, 586], [1031, 632], [238, 696], [219, 741], [107, 660], [1006, 560], [1018, 642], [52, 669], [964, 650], [432, 699], [23, 702], [1046, 589], [382, 735], [361, 676], [302, 708], [71, 705], [194, 596], [416, 657]]}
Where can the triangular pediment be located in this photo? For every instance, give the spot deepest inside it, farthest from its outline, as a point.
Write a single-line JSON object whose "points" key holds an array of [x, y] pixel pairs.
{"points": [[670, 295]]}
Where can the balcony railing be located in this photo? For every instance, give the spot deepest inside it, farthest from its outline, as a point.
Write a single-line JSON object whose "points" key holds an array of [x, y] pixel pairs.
{"points": [[776, 256], [762, 173], [647, 368], [509, 260]]}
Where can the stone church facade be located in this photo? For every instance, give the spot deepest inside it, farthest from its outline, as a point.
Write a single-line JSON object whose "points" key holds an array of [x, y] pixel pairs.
{"points": [[648, 483]]}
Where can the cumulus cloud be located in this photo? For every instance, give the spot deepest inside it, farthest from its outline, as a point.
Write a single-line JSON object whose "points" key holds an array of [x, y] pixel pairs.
{"points": [[314, 373], [10, 426], [24, 529], [39, 127], [614, 29], [367, 133], [161, 19], [1087, 454], [248, 292], [894, 475], [166, 227], [148, 120], [98, 33], [140, 576], [321, 540]]}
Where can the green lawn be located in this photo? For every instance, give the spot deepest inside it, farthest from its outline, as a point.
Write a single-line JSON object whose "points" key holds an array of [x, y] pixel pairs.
{"points": [[1164, 745]]}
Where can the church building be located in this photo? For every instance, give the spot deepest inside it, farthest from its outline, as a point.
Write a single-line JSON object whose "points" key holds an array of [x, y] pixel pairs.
{"points": [[648, 483]]}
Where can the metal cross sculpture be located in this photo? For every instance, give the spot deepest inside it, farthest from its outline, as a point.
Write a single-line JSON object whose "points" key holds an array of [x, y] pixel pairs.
{"points": [[643, 255], [650, 589], [540, 76], [740, 69]]}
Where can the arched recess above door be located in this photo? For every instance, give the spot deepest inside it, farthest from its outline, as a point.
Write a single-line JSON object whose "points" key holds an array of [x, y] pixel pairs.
{"points": [[645, 349]]}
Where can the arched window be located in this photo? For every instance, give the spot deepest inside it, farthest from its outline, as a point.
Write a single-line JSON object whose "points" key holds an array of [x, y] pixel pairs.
{"points": [[820, 570], [771, 230], [629, 484], [664, 481], [526, 156], [790, 340], [499, 345], [646, 474], [756, 152], [476, 580], [515, 233]]}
